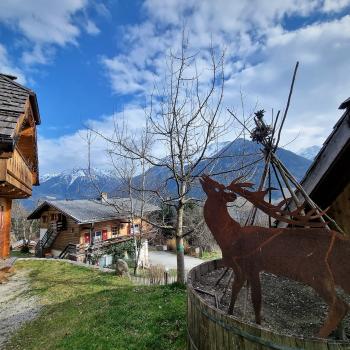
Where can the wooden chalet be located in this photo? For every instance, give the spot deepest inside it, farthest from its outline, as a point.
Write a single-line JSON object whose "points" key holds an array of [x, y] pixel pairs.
{"points": [[327, 181], [19, 116], [70, 227]]}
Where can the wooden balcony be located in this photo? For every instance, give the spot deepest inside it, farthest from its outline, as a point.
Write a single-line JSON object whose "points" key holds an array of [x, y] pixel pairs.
{"points": [[16, 178]]}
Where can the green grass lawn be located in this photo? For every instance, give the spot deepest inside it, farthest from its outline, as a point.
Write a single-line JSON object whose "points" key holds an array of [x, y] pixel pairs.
{"points": [[211, 255], [84, 309], [19, 254]]}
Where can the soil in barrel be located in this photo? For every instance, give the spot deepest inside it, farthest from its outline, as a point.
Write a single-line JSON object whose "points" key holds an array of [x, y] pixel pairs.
{"points": [[288, 307]]}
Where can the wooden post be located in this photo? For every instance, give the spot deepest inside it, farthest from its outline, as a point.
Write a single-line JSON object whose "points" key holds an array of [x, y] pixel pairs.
{"points": [[5, 227]]}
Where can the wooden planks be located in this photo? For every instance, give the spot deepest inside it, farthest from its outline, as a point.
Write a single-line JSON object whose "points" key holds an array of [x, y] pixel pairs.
{"points": [[212, 329]]}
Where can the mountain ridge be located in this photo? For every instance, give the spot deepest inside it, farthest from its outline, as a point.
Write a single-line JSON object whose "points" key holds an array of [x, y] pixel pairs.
{"points": [[77, 183]]}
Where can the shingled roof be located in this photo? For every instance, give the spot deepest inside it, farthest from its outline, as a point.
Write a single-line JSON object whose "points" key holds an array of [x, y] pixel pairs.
{"points": [[334, 151], [88, 211], [13, 98]]}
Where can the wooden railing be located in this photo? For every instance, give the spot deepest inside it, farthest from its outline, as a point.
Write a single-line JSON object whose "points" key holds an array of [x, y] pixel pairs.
{"points": [[109, 242], [18, 173], [70, 249]]}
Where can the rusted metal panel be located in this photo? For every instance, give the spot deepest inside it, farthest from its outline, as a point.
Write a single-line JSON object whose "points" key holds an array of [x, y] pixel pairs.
{"points": [[309, 255]]}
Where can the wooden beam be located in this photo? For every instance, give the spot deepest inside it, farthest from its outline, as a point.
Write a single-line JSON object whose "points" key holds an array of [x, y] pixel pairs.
{"points": [[5, 229], [3, 169]]}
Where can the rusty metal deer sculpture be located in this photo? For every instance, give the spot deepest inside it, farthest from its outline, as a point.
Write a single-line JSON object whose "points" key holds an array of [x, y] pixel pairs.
{"points": [[312, 255]]}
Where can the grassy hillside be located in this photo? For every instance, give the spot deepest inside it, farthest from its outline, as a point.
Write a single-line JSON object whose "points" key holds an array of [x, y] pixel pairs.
{"points": [[84, 309]]}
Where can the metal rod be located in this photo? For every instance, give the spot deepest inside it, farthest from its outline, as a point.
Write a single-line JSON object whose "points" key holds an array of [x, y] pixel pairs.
{"points": [[222, 276], [311, 202], [288, 103], [252, 214], [280, 185], [285, 179], [208, 293], [307, 197], [269, 184]]}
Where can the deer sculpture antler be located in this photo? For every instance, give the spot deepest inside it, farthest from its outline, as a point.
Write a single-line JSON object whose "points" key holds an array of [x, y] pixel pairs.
{"points": [[297, 216]]}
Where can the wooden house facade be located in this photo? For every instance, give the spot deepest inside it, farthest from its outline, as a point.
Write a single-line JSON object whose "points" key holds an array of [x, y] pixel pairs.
{"points": [[69, 227], [19, 116]]}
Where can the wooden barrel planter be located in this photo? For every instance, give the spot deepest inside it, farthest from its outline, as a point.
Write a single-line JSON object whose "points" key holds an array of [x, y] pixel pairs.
{"points": [[209, 328]]}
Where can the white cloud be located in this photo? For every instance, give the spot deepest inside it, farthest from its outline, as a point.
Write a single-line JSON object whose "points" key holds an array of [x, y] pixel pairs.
{"points": [[7, 67], [260, 55], [320, 87], [45, 24], [335, 5], [75, 154], [91, 28]]}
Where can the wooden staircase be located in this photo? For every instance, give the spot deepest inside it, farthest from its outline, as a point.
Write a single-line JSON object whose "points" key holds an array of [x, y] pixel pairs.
{"points": [[70, 249], [46, 240]]}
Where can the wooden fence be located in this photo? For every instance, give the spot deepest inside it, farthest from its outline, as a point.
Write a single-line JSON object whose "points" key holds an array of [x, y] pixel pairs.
{"points": [[212, 329], [146, 280]]}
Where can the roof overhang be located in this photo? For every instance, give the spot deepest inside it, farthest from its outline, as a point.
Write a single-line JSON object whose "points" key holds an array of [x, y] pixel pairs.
{"points": [[36, 214], [34, 102], [332, 149]]}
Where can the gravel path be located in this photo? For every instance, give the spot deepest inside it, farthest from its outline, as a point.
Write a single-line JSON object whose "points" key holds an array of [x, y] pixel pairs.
{"points": [[16, 305], [168, 259]]}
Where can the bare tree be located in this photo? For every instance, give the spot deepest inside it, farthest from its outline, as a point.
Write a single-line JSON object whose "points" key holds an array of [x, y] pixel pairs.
{"points": [[127, 168], [21, 227], [183, 119]]}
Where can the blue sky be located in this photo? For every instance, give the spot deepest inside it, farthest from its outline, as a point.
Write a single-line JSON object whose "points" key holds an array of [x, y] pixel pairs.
{"points": [[87, 60]]}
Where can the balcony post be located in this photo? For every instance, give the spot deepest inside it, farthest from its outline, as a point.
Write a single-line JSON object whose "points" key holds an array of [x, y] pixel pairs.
{"points": [[5, 227]]}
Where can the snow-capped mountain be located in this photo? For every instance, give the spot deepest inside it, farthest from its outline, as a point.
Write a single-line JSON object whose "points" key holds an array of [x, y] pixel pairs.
{"points": [[73, 184], [232, 155], [215, 147], [79, 183], [309, 152]]}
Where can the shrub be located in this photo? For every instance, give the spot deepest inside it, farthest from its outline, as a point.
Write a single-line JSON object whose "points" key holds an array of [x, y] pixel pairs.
{"points": [[156, 274], [118, 250], [25, 248]]}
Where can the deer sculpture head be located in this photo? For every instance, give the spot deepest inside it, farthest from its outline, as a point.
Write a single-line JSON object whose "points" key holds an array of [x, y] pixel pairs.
{"points": [[216, 191], [216, 214]]}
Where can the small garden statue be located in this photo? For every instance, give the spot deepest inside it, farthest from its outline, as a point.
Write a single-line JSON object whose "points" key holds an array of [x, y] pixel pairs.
{"points": [[122, 268]]}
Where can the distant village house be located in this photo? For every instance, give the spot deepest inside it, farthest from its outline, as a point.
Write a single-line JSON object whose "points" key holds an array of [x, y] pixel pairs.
{"points": [[70, 227]]}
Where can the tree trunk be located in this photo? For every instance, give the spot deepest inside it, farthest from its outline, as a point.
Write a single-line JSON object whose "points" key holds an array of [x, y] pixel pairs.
{"points": [[180, 245]]}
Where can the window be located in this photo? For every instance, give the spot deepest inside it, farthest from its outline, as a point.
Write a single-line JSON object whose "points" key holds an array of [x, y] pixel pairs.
{"points": [[44, 218], [72, 229], [115, 231], [53, 217], [97, 236], [136, 229]]}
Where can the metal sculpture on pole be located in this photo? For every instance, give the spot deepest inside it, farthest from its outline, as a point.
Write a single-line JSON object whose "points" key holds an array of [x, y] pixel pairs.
{"points": [[308, 251]]}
